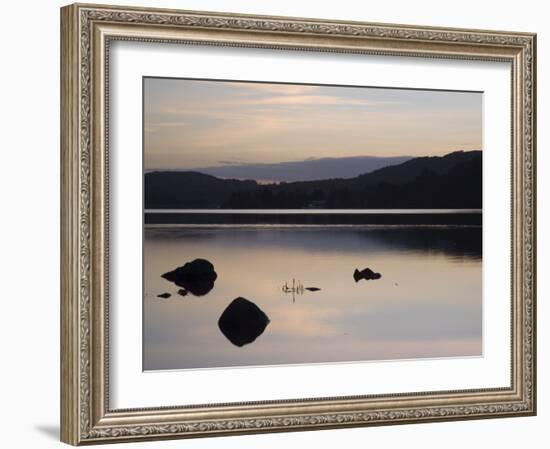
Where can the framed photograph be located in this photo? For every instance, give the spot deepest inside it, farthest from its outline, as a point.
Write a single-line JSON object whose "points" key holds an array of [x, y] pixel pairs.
{"points": [[280, 224]]}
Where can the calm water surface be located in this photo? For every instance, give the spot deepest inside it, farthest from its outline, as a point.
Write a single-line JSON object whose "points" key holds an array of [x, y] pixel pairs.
{"points": [[428, 302]]}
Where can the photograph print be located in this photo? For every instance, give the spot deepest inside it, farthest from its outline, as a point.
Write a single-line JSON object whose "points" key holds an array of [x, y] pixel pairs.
{"points": [[293, 224]]}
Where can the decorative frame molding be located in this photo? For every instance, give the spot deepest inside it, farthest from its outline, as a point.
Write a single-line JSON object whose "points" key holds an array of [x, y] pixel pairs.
{"points": [[86, 32]]}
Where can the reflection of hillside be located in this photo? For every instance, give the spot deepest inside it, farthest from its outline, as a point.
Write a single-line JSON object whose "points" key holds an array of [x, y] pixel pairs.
{"points": [[314, 219], [451, 241]]}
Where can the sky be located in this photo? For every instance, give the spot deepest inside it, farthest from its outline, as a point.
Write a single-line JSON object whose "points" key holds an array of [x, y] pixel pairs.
{"points": [[194, 124]]}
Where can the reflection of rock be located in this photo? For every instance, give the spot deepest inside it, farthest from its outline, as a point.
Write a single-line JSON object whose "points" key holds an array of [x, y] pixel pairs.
{"points": [[313, 289], [242, 322], [367, 274], [182, 292], [164, 295], [197, 277]]}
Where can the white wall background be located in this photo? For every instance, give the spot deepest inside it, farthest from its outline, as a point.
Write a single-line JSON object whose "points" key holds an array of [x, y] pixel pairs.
{"points": [[29, 233]]}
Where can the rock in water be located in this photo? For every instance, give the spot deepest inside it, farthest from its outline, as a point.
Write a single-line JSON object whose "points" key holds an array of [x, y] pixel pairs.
{"points": [[164, 295], [367, 274], [196, 277], [242, 322], [313, 289], [182, 292]]}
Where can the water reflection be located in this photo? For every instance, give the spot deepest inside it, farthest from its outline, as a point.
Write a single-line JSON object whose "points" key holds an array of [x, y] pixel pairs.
{"points": [[426, 304], [457, 241]]}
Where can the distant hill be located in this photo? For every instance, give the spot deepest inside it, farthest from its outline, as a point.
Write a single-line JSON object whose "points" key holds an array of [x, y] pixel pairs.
{"points": [[306, 170], [188, 190], [450, 181]]}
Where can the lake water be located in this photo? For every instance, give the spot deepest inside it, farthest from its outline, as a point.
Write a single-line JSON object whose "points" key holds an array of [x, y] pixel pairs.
{"points": [[427, 303]]}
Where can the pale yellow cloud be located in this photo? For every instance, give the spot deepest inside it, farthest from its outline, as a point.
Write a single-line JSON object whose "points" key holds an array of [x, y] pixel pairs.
{"points": [[278, 89], [309, 100]]}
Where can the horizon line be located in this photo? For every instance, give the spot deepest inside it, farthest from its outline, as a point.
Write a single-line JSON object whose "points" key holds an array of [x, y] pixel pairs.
{"points": [[237, 164]]}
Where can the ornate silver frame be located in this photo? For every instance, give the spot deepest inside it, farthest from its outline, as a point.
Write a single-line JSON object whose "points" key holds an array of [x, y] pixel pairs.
{"points": [[86, 32]]}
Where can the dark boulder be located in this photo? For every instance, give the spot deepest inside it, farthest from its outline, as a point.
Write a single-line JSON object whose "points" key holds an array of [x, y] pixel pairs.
{"points": [[164, 295], [367, 274], [196, 277], [313, 289], [242, 322], [182, 292]]}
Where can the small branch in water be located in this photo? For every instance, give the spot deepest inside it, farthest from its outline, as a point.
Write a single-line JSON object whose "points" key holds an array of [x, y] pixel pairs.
{"points": [[297, 288]]}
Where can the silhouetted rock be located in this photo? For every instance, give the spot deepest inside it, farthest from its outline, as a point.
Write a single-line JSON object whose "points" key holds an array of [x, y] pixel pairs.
{"points": [[182, 292], [367, 274], [196, 277], [242, 322], [164, 295], [313, 289]]}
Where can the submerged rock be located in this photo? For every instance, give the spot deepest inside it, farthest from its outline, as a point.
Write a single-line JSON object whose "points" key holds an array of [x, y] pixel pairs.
{"points": [[242, 322], [313, 289], [196, 277], [367, 274], [182, 292], [164, 295]]}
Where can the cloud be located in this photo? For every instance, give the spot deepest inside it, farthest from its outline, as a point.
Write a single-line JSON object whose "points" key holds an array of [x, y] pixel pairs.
{"points": [[229, 162], [309, 100], [279, 89], [236, 106], [156, 127]]}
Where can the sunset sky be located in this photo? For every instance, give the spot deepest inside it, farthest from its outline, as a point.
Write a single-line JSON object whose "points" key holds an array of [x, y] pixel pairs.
{"points": [[190, 124]]}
